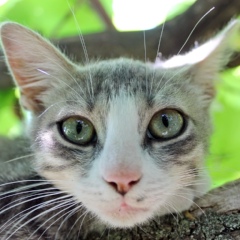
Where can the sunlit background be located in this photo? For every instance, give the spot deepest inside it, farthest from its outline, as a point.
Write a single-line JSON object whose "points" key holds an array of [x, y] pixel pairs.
{"points": [[139, 15], [53, 19]]}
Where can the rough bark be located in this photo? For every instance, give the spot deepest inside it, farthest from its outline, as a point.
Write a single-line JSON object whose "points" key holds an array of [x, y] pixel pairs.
{"points": [[217, 216], [111, 44]]}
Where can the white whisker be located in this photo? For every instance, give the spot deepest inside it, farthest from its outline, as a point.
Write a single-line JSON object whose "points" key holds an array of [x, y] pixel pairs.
{"points": [[80, 226], [71, 213], [194, 29], [145, 59], [18, 158], [90, 89], [32, 208], [35, 217], [29, 200], [81, 215], [59, 80], [32, 192], [38, 183], [67, 206]]}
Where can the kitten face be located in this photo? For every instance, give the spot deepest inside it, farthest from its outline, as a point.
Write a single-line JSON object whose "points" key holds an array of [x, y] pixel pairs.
{"points": [[126, 139], [124, 176]]}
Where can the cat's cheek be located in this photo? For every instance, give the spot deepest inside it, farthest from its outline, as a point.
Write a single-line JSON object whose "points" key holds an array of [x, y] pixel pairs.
{"points": [[205, 183], [46, 140], [64, 180]]}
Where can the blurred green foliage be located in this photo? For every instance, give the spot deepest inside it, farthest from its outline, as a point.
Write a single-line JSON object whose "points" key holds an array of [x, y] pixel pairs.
{"points": [[53, 19], [224, 158], [8, 117]]}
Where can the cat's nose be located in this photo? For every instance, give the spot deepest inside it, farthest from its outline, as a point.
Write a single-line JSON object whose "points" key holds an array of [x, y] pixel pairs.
{"points": [[123, 182]]}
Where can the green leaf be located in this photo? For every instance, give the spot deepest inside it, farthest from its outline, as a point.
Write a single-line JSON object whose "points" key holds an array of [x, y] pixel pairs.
{"points": [[10, 124], [224, 158], [55, 18]]}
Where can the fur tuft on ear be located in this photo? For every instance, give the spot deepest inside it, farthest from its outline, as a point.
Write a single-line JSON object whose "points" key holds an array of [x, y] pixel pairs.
{"points": [[204, 62], [34, 63]]}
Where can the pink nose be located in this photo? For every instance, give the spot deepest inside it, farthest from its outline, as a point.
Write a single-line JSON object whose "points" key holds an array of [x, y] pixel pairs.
{"points": [[122, 182]]}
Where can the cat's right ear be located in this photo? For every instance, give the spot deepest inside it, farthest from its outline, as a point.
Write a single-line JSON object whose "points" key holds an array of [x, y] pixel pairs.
{"points": [[202, 65], [35, 64]]}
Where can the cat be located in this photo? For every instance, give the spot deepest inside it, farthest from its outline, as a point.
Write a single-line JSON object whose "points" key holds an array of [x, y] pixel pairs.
{"points": [[111, 144]]}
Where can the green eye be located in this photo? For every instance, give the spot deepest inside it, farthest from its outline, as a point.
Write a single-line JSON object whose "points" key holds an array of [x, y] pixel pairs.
{"points": [[166, 124], [78, 130]]}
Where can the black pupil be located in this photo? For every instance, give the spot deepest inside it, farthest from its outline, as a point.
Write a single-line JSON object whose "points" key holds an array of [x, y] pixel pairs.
{"points": [[79, 127], [165, 120]]}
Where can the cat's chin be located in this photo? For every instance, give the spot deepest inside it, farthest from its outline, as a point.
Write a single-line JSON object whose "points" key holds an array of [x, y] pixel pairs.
{"points": [[127, 219], [124, 216]]}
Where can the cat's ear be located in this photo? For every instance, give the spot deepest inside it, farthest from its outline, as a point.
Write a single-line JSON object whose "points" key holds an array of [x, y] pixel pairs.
{"points": [[204, 62], [35, 64]]}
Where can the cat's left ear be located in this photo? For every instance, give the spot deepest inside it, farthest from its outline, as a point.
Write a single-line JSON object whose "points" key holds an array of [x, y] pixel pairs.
{"points": [[35, 64], [204, 62]]}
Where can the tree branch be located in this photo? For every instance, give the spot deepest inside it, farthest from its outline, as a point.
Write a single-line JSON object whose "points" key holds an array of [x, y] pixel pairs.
{"points": [[96, 4]]}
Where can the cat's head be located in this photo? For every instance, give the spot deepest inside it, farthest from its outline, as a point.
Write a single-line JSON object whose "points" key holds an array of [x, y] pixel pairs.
{"points": [[127, 139]]}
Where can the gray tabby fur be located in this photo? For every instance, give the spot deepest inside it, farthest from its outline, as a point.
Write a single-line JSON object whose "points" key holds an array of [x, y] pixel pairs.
{"points": [[57, 190]]}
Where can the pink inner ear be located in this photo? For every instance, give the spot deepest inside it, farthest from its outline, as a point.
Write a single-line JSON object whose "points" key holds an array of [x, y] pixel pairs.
{"points": [[18, 66]]}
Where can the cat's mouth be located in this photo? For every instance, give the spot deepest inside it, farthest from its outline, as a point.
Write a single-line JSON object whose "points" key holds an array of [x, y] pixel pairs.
{"points": [[125, 215], [125, 208]]}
